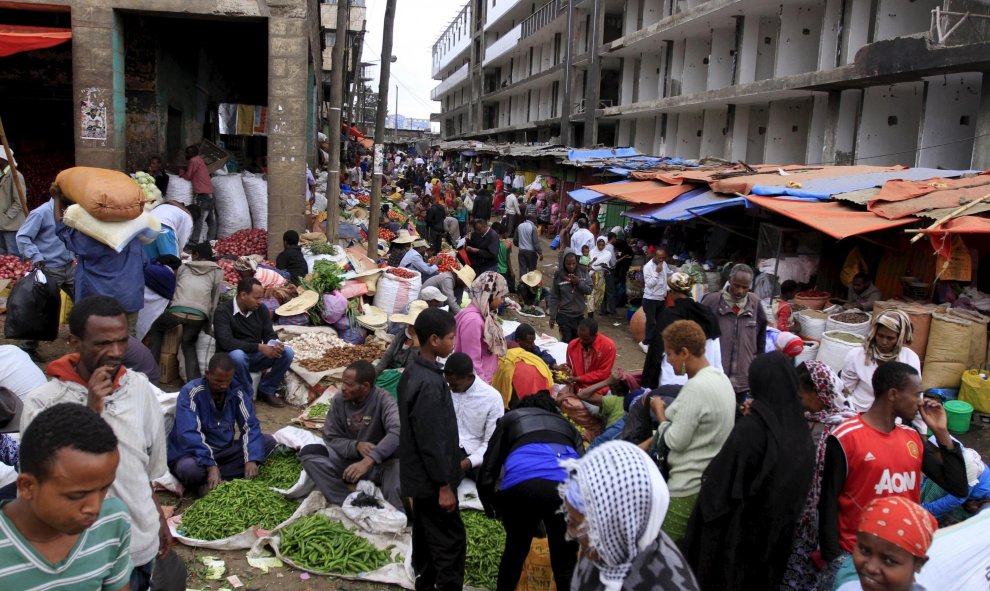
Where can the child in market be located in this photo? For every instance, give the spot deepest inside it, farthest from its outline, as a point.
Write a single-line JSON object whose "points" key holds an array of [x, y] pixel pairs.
{"points": [[62, 532], [429, 457]]}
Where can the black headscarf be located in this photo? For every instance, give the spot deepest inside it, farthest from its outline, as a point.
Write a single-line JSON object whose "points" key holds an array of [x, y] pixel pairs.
{"points": [[753, 491]]}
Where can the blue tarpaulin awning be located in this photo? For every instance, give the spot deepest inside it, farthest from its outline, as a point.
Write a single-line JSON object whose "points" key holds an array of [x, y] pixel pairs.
{"points": [[587, 196], [579, 155], [684, 207]]}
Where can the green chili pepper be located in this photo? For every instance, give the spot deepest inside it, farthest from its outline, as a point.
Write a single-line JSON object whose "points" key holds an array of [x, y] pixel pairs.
{"points": [[485, 544], [320, 545], [234, 507]]}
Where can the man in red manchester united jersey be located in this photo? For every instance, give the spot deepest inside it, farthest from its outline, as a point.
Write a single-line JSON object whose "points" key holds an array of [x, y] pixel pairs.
{"points": [[871, 456]]}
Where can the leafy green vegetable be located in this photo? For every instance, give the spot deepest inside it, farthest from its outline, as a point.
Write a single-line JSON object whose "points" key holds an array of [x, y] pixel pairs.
{"points": [[323, 248], [326, 277]]}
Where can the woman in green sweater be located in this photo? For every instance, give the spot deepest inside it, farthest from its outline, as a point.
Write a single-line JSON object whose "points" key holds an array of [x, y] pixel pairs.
{"points": [[697, 423]]}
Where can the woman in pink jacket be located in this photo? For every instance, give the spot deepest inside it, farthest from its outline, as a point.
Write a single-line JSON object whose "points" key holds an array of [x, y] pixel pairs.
{"points": [[479, 335]]}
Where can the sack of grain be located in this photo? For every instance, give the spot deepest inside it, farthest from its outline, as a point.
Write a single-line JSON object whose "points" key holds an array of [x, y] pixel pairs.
{"points": [[810, 352], [854, 322], [179, 189], [946, 359], [256, 191], [978, 336], [834, 347], [233, 213], [107, 195], [394, 293], [812, 323], [116, 235]]}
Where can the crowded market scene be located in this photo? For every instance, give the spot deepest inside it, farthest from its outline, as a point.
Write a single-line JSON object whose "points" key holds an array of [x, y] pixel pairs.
{"points": [[424, 362]]}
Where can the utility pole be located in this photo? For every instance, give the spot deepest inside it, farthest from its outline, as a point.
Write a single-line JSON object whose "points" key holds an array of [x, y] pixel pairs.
{"points": [[336, 101], [565, 112], [397, 113], [594, 76], [376, 178]]}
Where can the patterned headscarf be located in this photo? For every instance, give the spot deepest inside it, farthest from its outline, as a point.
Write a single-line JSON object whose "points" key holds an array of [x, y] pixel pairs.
{"points": [[485, 288], [680, 282], [901, 522], [895, 320], [624, 500]]}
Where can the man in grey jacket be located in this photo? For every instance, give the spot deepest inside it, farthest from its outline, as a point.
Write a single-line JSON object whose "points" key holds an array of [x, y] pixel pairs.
{"points": [[361, 433], [742, 325], [527, 239]]}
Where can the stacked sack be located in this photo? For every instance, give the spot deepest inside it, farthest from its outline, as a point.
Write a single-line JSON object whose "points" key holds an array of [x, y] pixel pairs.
{"points": [[107, 205]]}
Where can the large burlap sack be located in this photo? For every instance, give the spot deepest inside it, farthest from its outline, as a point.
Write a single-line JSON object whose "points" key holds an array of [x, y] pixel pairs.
{"points": [[145, 227], [233, 213], [179, 189], [107, 195], [256, 191], [946, 357], [833, 349], [394, 293], [978, 336]]}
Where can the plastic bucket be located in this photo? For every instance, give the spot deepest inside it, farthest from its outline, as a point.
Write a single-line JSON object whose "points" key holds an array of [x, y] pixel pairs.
{"points": [[959, 414], [944, 393]]}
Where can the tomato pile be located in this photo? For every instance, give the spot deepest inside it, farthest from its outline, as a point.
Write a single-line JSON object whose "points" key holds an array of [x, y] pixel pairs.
{"points": [[446, 261], [243, 243], [394, 215], [386, 234], [402, 273], [12, 267], [362, 198]]}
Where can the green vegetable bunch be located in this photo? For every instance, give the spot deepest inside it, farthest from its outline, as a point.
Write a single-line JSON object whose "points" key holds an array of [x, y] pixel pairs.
{"points": [[233, 507], [485, 544], [320, 545], [323, 248], [281, 469], [326, 277], [318, 410]]}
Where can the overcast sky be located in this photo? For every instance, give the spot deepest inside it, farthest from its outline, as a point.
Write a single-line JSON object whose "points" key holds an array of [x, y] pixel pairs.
{"points": [[418, 24]]}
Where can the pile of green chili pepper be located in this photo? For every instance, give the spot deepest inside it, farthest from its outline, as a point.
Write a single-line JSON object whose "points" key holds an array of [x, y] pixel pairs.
{"points": [[233, 507], [323, 546], [318, 411], [485, 544], [280, 470]]}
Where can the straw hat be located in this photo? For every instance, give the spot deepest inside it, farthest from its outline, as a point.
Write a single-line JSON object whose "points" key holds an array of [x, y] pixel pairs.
{"points": [[420, 243], [415, 308], [404, 237], [430, 293], [466, 274], [533, 278], [299, 304], [373, 318]]}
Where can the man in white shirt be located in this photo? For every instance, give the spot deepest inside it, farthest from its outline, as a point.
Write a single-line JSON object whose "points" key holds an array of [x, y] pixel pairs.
{"points": [[18, 373], [581, 237], [511, 212], [507, 180], [478, 407], [655, 274], [413, 259]]}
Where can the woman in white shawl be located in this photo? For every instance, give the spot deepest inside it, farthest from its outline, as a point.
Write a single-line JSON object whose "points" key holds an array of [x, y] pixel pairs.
{"points": [[602, 260], [616, 501]]}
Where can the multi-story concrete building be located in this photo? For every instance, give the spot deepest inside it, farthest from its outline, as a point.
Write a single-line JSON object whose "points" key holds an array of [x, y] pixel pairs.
{"points": [[813, 81], [144, 78]]}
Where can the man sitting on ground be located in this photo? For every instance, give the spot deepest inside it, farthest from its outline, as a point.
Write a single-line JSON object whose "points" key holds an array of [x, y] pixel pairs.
{"points": [[203, 448], [590, 356], [526, 339], [477, 406], [361, 433], [61, 516], [243, 328]]}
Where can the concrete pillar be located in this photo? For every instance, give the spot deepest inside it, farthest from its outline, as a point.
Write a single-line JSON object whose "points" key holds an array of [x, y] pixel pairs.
{"points": [[981, 144], [288, 83], [98, 85]]}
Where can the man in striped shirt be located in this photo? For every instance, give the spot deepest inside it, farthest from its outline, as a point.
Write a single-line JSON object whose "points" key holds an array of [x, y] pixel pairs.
{"points": [[61, 532]]}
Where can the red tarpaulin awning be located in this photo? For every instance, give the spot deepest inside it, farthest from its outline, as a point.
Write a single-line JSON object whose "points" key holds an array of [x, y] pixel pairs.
{"points": [[967, 224], [642, 192], [831, 217], [16, 38]]}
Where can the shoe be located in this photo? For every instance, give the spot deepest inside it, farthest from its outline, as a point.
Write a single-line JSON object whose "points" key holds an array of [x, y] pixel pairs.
{"points": [[270, 400], [644, 347]]}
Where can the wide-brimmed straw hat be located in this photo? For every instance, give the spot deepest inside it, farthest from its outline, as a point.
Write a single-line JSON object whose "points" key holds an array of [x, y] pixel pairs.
{"points": [[466, 274], [299, 304], [533, 278], [373, 318], [404, 237], [420, 243], [415, 308]]}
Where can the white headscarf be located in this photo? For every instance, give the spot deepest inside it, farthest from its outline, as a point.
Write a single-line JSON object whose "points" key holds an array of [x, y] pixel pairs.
{"points": [[624, 500]]}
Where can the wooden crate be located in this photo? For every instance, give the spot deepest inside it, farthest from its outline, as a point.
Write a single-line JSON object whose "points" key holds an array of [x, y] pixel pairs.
{"points": [[169, 363]]}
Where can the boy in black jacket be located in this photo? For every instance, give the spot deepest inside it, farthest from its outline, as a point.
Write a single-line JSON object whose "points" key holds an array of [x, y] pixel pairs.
{"points": [[291, 259], [429, 458]]}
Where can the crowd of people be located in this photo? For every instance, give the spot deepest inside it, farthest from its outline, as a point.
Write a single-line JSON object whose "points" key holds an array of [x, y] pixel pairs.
{"points": [[719, 466]]}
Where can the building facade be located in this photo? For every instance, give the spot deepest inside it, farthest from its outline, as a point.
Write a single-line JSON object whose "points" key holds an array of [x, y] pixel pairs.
{"points": [[354, 76], [810, 81]]}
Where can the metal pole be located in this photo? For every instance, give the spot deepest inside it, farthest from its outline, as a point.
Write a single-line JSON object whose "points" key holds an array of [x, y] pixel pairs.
{"points": [[376, 178], [13, 168], [396, 113], [336, 96]]}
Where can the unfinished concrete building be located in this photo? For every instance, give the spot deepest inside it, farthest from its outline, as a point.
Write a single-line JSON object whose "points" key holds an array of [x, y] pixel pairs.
{"points": [[813, 81]]}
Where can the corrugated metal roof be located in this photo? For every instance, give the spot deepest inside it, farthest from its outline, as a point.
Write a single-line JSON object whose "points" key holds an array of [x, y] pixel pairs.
{"points": [[838, 182]]}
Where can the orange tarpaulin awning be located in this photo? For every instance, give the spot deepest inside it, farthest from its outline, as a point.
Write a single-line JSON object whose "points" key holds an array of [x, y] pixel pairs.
{"points": [[643, 192], [17, 38], [831, 217], [902, 190], [967, 224]]}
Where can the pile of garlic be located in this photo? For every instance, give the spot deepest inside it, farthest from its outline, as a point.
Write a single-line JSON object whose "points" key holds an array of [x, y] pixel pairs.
{"points": [[313, 345]]}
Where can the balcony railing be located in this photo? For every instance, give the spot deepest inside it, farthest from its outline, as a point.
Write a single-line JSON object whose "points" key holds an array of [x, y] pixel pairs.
{"points": [[507, 42], [545, 15], [450, 82]]}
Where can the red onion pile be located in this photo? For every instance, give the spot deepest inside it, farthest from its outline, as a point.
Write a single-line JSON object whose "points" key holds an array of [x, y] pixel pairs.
{"points": [[12, 267], [243, 242]]}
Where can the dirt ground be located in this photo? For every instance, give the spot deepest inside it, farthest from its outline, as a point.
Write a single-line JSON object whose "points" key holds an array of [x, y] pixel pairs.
{"points": [[629, 357]]}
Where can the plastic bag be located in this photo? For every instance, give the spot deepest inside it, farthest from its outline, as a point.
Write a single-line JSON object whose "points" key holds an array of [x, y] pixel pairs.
{"points": [[975, 389], [256, 191], [386, 520], [334, 306], [233, 213], [33, 308]]}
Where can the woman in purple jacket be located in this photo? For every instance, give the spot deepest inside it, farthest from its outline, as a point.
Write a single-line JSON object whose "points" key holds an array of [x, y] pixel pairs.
{"points": [[479, 334]]}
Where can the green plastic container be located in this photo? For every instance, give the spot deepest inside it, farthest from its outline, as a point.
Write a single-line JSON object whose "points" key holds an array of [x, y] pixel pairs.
{"points": [[959, 414]]}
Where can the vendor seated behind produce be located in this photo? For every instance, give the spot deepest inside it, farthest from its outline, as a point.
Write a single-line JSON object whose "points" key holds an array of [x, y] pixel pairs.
{"points": [[404, 346], [243, 328], [268, 278], [203, 448], [361, 433], [291, 258], [862, 293], [452, 285], [413, 259]]}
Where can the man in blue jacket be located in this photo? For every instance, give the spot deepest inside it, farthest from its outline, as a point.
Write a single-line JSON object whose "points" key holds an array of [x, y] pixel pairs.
{"points": [[203, 448]]}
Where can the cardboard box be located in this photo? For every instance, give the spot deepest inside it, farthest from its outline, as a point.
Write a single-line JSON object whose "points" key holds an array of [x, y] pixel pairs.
{"points": [[169, 363], [172, 341]]}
